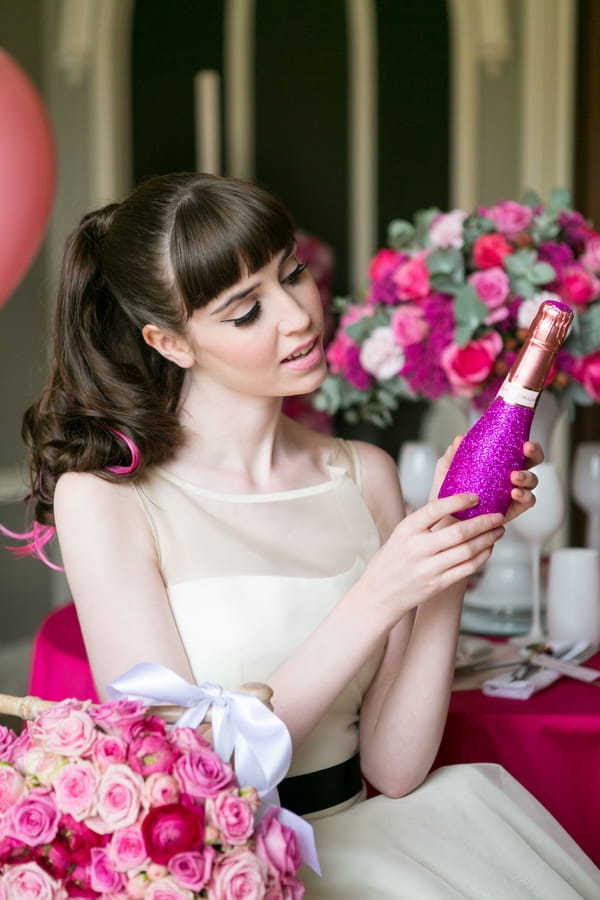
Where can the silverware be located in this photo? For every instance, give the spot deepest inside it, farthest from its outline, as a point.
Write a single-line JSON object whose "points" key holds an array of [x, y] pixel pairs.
{"points": [[529, 666]]}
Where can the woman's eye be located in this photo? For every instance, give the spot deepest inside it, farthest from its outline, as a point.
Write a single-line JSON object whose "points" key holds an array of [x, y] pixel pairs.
{"points": [[294, 274], [252, 314]]}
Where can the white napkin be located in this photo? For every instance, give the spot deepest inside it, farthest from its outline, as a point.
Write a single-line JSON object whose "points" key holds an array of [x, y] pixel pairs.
{"points": [[502, 686]]}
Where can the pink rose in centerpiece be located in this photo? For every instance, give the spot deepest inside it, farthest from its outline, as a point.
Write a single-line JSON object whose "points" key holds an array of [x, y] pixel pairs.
{"points": [[28, 881], [239, 875], [510, 218], [160, 789], [108, 750], [412, 278], [590, 258], [493, 288], [193, 868], [380, 355], [172, 829], [447, 229], [578, 286], [75, 789], [489, 250], [408, 324], [203, 773], [188, 739], [7, 742], [42, 764], [587, 371], [34, 818], [105, 879], [167, 889], [232, 816], [117, 716], [469, 366]]}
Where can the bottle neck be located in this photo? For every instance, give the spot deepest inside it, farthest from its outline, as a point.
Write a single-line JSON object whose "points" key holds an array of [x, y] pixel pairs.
{"points": [[514, 393]]}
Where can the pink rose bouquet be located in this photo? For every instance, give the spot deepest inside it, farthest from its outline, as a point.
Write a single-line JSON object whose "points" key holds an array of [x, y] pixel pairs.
{"points": [[107, 801], [450, 300]]}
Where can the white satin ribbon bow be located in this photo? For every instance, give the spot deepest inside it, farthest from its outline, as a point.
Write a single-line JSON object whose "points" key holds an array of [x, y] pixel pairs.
{"points": [[242, 726]]}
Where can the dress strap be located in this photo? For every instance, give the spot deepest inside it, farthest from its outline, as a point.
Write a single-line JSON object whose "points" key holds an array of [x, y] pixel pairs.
{"points": [[345, 455]]}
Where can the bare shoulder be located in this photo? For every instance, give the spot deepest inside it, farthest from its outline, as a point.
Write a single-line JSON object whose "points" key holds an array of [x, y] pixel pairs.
{"points": [[381, 486], [85, 490]]}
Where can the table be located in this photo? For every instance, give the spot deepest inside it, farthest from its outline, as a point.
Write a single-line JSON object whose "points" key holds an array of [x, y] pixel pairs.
{"points": [[550, 743]]}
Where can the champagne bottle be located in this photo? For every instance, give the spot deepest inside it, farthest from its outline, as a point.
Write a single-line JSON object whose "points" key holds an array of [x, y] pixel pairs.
{"points": [[493, 447]]}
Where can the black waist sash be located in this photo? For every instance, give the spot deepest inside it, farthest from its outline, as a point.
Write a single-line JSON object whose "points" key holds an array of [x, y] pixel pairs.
{"points": [[309, 793]]}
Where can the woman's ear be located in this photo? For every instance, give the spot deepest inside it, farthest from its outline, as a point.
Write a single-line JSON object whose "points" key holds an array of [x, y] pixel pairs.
{"points": [[172, 346]]}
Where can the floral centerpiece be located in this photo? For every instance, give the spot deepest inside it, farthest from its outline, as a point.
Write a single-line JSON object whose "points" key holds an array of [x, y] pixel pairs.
{"points": [[450, 301], [106, 801]]}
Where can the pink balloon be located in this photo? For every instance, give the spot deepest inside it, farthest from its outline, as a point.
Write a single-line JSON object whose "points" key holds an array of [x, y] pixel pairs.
{"points": [[27, 173]]}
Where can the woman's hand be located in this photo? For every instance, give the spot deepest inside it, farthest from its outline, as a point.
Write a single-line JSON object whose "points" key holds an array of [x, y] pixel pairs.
{"points": [[524, 482], [420, 559]]}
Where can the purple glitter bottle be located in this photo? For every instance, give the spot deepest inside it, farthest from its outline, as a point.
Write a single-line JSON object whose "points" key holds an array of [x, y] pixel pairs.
{"points": [[493, 447]]}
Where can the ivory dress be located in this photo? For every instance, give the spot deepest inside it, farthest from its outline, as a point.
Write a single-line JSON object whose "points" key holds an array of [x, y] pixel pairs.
{"points": [[248, 578]]}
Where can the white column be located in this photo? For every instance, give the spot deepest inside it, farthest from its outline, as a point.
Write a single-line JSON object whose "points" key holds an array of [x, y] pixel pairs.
{"points": [[207, 121], [238, 54], [362, 137]]}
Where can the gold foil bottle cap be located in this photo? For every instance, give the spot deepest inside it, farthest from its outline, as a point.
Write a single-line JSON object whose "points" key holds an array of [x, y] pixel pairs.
{"points": [[544, 338]]}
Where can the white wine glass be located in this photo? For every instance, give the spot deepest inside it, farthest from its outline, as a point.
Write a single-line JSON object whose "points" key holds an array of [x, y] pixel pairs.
{"points": [[416, 466], [536, 527], [585, 484]]}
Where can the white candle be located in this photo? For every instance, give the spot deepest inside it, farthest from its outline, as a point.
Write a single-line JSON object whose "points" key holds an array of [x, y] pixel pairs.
{"points": [[207, 96]]}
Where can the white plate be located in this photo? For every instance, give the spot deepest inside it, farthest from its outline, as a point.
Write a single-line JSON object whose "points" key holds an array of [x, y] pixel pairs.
{"points": [[472, 650]]}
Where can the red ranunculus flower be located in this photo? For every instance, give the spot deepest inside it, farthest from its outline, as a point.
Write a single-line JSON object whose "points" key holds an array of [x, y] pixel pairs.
{"points": [[172, 829]]}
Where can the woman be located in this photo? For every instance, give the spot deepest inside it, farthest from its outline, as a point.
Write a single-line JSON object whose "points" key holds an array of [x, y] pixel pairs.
{"points": [[203, 530]]}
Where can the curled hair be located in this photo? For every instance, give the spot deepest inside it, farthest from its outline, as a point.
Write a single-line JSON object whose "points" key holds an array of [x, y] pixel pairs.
{"points": [[110, 404]]}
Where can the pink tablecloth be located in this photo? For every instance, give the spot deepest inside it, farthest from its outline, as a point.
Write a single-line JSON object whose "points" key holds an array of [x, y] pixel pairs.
{"points": [[550, 743]]}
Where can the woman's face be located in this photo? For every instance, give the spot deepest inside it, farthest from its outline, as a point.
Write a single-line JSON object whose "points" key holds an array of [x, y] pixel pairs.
{"points": [[263, 335]]}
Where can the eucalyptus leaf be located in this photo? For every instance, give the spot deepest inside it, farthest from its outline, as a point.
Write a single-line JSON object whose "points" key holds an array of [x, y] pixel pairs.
{"points": [[469, 312], [400, 233], [589, 330], [544, 227], [542, 273], [531, 198], [360, 331], [560, 198]]}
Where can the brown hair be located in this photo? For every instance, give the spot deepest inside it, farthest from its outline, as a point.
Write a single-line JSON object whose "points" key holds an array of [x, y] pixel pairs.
{"points": [[172, 246]]}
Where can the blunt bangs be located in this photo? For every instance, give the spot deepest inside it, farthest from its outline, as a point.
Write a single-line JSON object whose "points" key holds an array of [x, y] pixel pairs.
{"points": [[223, 230]]}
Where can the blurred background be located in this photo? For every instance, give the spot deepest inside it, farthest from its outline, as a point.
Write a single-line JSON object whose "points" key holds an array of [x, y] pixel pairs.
{"points": [[354, 111]]}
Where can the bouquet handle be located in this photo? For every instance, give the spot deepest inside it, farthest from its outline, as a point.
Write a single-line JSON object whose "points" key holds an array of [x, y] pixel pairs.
{"points": [[28, 707]]}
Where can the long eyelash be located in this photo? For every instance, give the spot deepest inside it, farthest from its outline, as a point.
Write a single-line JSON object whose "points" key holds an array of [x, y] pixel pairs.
{"points": [[248, 317], [295, 274]]}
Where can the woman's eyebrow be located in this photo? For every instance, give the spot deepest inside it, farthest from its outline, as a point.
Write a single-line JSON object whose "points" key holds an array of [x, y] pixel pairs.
{"points": [[242, 294]]}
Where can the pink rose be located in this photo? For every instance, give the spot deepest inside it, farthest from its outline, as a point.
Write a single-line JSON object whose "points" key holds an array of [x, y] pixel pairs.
{"points": [[34, 818], [188, 739], [193, 868], [104, 877], [79, 838], [412, 278], [42, 764], [578, 286], [75, 789], [203, 773], [509, 217], [127, 850], [469, 366], [119, 799], [492, 286], [277, 845], [160, 789], [29, 882], [117, 716], [239, 875], [172, 829], [151, 753], [384, 264], [408, 324], [232, 815], [63, 729], [489, 250], [447, 229], [108, 750], [7, 741], [590, 258], [11, 786], [166, 889], [587, 371], [380, 355]]}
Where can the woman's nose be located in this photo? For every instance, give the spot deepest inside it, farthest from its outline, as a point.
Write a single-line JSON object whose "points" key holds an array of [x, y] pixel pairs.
{"points": [[294, 316]]}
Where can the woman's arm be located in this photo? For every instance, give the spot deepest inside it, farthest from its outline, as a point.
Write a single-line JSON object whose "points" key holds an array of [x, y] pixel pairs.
{"points": [[110, 560]]}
